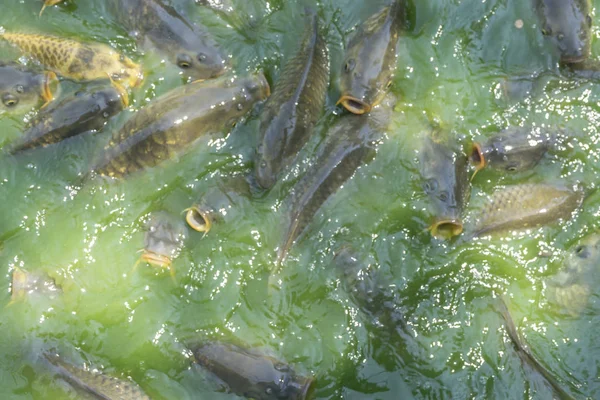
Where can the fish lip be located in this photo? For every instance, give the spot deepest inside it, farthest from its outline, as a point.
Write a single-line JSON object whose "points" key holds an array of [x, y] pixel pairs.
{"points": [[354, 105], [574, 59], [446, 228], [477, 157], [155, 259], [192, 218]]}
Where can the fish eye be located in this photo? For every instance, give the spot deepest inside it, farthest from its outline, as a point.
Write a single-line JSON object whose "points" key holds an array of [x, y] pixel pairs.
{"points": [[10, 100], [202, 57], [116, 76], [511, 168], [240, 107], [582, 252], [20, 89], [546, 31], [389, 85], [350, 64], [560, 36], [443, 196], [184, 61], [430, 186]]}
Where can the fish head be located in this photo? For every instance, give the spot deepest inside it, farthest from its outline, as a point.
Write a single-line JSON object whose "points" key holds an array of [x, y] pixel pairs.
{"points": [[163, 239], [584, 256], [124, 70], [108, 99], [205, 61], [568, 24], [19, 89], [270, 152]]}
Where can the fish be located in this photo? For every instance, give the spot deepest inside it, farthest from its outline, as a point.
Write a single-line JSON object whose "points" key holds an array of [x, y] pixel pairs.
{"points": [[291, 113], [28, 283], [189, 46], [163, 241], [526, 355], [252, 375], [49, 3], [445, 180], [349, 144], [93, 382], [83, 111], [514, 149], [370, 59], [21, 88], [77, 60], [216, 204], [572, 286], [172, 122], [526, 206], [568, 25]]}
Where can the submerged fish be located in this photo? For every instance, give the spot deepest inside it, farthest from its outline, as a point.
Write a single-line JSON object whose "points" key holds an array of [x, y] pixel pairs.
{"points": [[350, 143], [527, 356], [370, 59], [77, 60], [571, 287], [163, 241], [514, 149], [444, 172], [94, 383], [568, 23], [81, 112], [172, 122], [26, 283], [526, 206], [216, 204], [189, 46], [252, 375], [21, 88], [290, 114]]}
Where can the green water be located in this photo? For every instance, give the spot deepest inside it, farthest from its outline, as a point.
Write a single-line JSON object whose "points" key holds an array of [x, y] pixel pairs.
{"points": [[130, 322]]}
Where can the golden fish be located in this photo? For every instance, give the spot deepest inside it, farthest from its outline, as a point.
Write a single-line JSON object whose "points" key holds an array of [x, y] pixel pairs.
{"points": [[76, 60]]}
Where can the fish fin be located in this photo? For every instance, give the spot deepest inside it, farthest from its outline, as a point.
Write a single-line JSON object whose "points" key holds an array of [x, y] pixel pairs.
{"points": [[122, 91], [46, 91]]}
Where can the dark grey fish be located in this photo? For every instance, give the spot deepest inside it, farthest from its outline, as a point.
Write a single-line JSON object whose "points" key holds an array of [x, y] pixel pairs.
{"points": [[293, 109], [526, 206], [568, 23], [349, 144], [189, 46], [216, 204], [572, 286], [22, 88], [252, 375], [81, 112], [514, 149], [444, 171], [527, 356], [164, 240], [370, 59], [91, 382], [172, 122]]}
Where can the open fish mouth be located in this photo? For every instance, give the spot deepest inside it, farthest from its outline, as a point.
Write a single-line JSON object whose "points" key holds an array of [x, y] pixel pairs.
{"points": [[354, 105], [477, 158], [198, 219], [155, 259], [446, 228]]}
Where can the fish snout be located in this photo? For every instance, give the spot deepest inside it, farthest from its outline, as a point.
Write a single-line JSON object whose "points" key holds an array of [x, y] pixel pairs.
{"points": [[354, 105]]}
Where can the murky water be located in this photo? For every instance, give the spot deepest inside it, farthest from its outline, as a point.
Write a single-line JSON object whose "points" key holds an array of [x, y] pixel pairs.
{"points": [[131, 322]]}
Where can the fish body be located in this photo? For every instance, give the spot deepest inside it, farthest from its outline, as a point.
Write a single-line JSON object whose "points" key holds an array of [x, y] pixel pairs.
{"points": [[527, 356], [216, 204], [189, 46], [252, 375], [76, 60], [25, 284], [172, 122], [94, 383], [163, 240], [370, 59], [21, 88], [290, 114], [444, 172], [527, 206], [349, 144], [571, 287], [81, 112], [514, 149], [568, 24]]}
